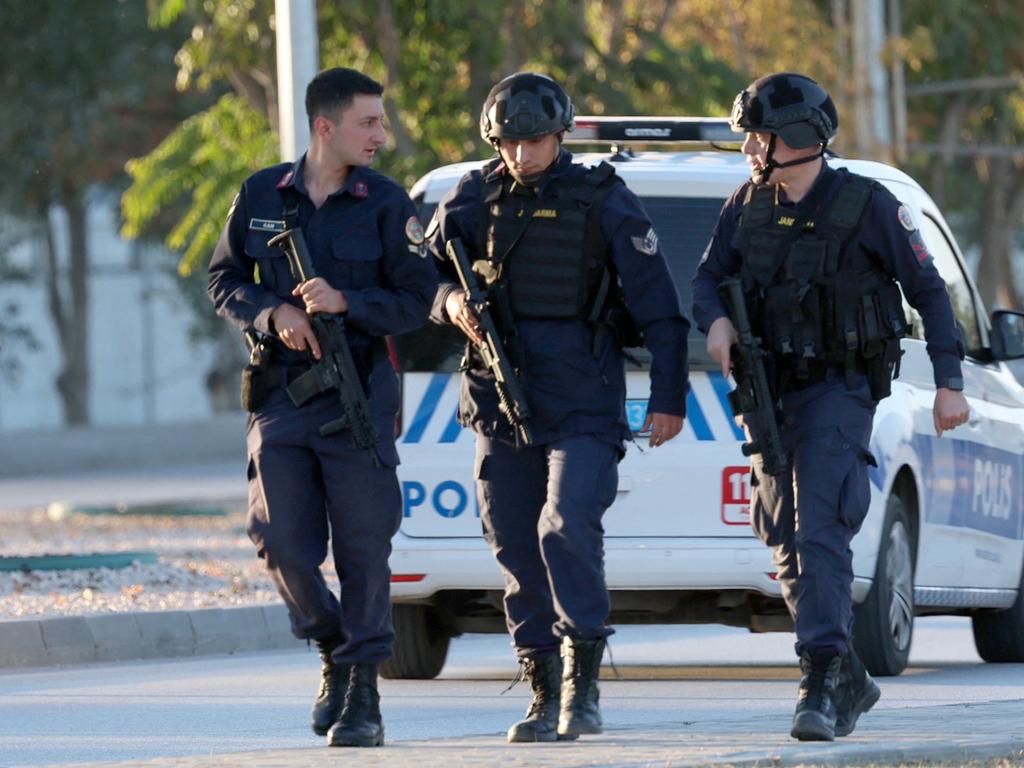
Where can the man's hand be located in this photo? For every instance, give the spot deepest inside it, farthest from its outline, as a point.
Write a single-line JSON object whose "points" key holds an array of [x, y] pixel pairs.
{"points": [[460, 313], [663, 427], [292, 327], [318, 296], [950, 410], [721, 336]]}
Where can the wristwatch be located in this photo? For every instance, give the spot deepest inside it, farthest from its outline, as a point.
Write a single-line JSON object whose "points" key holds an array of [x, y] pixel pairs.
{"points": [[955, 383]]}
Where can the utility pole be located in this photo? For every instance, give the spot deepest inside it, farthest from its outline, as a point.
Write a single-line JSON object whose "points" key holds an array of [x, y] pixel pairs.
{"points": [[298, 57], [874, 132], [899, 86]]}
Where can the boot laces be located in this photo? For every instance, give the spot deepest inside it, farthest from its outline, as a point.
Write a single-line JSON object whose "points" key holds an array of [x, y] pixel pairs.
{"points": [[520, 676], [817, 676]]}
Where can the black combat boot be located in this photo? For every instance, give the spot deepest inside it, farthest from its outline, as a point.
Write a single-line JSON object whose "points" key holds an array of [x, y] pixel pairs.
{"points": [[541, 721], [333, 685], [815, 716], [581, 667], [360, 723], [856, 694]]}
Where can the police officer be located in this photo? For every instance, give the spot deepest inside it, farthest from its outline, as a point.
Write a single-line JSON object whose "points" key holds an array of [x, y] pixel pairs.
{"points": [[367, 247], [817, 251], [576, 260]]}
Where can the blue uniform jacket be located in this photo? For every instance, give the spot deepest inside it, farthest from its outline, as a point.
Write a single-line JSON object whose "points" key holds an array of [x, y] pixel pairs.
{"points": [[365, 240], [889, 239], [573, 388]]}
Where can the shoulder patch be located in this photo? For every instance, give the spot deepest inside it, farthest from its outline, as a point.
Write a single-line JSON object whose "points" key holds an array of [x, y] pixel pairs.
{"points": [[648, 244], [414, 230], [903, 214], [360, 189], [924, 256]]}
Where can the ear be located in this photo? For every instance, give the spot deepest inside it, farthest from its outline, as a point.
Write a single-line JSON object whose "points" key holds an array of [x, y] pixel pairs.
{"points": [[322, 126]]}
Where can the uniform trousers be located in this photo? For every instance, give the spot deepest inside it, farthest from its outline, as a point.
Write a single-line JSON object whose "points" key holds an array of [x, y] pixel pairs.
{"points": [[541, 509], [811, 512], [306, 489]]}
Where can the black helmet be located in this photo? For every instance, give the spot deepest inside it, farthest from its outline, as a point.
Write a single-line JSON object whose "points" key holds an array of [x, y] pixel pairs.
{"points": [[526, 105], [791, 106]]}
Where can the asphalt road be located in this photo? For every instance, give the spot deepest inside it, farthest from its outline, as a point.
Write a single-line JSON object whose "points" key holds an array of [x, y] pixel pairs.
{"points": [[720, 691]]}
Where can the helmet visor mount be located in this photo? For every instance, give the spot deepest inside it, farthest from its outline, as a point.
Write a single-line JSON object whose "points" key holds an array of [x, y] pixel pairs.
{"points": [[523, 123], [526, 105]]}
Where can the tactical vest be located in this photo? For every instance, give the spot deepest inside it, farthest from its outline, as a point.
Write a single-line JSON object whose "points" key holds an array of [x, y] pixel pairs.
{"points": [[550, 251], [815, 299]]}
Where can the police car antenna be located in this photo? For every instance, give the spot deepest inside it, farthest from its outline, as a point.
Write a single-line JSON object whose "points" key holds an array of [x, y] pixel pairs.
{"points": [[707, 131]]}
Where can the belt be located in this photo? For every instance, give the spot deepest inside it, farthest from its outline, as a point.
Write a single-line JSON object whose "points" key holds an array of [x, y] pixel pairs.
{"points": [[819, 372]]}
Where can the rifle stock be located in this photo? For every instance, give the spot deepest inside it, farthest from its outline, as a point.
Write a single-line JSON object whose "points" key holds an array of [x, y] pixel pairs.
{"points": [[511, 400], [753, 397], [336, 368]]}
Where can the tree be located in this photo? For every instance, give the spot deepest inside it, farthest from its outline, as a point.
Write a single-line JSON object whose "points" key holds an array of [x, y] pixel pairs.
{"points": [[76, 105], [437, 60], [966, 136], [15, 335]]}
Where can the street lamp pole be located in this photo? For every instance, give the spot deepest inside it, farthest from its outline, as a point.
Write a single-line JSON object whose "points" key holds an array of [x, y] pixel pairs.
{"points": [[298, 56]]}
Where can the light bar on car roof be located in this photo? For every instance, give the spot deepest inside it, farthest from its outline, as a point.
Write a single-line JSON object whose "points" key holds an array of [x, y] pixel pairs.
{"points": [[699, 130]]}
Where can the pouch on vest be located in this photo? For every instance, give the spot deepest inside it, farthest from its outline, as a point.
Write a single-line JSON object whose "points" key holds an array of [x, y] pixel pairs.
{"points": [[882, 324]]}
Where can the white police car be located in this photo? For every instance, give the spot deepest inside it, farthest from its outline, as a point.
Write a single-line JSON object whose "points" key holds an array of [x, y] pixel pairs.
{"points": [[945, 533]]}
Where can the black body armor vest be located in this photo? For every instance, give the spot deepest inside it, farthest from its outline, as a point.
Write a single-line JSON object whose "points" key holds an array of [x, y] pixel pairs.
{"points": [[550, 252], [816, 300]]}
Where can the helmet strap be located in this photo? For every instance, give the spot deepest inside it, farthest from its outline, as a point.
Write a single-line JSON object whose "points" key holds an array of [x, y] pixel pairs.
{"points": [[762, 176]]}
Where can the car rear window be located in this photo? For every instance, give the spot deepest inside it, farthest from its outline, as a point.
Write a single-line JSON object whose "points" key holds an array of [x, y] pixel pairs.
{"points": [[684, 226]]}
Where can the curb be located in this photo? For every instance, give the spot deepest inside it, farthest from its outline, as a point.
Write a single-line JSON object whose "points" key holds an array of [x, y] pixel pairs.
{"points": [[144, 635]]}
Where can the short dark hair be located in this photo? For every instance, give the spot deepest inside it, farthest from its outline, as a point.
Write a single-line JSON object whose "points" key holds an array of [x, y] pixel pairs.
{"points": [[333, 89]]}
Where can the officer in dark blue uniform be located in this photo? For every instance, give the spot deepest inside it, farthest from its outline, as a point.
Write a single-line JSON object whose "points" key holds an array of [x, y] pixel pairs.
{"points": [[368, 250], [574, 270], [817, 252]]}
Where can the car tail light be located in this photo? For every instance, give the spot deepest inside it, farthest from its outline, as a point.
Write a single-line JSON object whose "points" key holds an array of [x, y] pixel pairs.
{"points": [[403, 578]]}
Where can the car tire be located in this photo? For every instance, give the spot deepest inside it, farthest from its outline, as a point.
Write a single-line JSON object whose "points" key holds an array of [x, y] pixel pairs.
{"points": [[884, 622], [421, 644], [999, 635]]}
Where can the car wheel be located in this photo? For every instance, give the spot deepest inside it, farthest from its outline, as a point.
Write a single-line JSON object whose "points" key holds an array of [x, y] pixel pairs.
{"points": [[884, 622], [421, 644], [999, 635]]}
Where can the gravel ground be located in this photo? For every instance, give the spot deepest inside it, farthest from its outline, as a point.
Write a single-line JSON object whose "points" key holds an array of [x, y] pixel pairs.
{"points": [[204, 562]]}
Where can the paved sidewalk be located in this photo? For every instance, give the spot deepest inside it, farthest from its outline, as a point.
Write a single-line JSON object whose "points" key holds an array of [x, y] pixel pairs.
{"points": [[54, 453], [158, 634], [911, 736]]}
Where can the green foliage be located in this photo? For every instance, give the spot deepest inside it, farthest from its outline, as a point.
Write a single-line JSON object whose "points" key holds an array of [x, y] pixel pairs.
{"points": [[85, 86], [964, 40], [204, 161], [230, 40]]}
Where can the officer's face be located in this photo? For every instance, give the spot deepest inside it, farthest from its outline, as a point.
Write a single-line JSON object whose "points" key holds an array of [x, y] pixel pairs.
{"points": [[358, 132], [531, 156], [755, 147]]}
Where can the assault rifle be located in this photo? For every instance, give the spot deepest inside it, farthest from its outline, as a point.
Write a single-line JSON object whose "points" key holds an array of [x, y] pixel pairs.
{"points": [[336, 369], [511, 399], [753, 397]]}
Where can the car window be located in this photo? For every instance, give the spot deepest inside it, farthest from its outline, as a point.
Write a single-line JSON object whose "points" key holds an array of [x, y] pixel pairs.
{"points": [[960, 294], [684, 226]]}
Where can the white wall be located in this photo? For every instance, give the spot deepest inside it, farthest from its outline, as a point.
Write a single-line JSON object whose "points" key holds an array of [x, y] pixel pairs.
{"points": [[144, 368]]}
